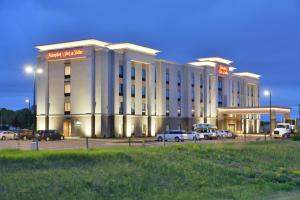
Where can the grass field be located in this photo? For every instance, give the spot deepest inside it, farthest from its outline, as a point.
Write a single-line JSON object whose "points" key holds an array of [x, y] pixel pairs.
{"points": [[211, 171]]}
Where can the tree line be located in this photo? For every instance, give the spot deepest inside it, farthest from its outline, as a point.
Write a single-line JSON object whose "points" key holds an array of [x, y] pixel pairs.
{"points": [[19, 118]]}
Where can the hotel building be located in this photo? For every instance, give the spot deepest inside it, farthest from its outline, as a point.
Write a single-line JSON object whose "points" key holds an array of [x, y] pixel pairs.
{"points": [[98, 89]]}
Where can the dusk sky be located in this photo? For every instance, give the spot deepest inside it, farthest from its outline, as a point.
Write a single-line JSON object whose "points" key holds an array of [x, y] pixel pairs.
{"points": [[260, 36]]}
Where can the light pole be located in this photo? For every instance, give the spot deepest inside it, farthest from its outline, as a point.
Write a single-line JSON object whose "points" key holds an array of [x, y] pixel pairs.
{"points": [[268, 93], [34, 71], [27, 101]]}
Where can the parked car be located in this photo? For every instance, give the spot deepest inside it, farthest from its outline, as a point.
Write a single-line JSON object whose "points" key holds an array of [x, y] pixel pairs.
{"points": [[7, 135], [226, 134], [175, 135], [24, 134], [208, 133], [193, 135], [48, 135]]}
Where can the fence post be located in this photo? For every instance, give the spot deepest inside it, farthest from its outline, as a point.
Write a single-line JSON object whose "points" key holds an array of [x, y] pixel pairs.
{"points": [[87, 142]]}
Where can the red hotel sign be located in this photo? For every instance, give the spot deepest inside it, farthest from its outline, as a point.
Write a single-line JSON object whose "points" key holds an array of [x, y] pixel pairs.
{"points": [[223, 70], [65, 54]]}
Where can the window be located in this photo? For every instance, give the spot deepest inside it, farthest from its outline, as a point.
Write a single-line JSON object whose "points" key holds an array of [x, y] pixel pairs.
{"points": [[167, 108], [193, 95], [132, 107], [167, 93], [220, 83], [132, 90], [167, 76], [121, 71], [143, 74], [67, 71], [67, 108], [201, 111], [121, 89], [201, 97], [178, 93], [193, 110], [178, 78], [193, 79], [143, 91], [133, 73], [144, 109], [121, 107], [178, 108], [67, 89], [201, 81]]}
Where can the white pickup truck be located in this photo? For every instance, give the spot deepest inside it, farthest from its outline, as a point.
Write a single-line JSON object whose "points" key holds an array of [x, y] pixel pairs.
{"points": [[282, 130]]}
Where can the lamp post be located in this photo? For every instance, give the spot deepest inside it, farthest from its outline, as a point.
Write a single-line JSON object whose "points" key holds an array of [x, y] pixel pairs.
{"points": [[27, 101], [267, 93], [30, 70]]}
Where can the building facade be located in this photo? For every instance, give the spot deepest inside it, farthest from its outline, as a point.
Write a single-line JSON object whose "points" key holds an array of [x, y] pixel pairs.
{"points": [[98, 89]]}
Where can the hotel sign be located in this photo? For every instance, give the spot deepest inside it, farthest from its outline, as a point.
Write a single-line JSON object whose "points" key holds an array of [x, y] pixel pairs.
{"points": [[223, 70], [66, 54]]}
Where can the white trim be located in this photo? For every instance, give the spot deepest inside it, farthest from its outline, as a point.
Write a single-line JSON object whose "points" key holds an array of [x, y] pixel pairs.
{"points": [[216, 59], [133, 47], [64, 45], [248, 74]]}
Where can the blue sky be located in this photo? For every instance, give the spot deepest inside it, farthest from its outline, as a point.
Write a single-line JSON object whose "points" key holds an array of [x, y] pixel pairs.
{"points": [[261, 36]]}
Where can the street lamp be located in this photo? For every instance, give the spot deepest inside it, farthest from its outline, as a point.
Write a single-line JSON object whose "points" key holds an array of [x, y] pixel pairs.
{"points": [[27, 101], [267, 93], [30, 70]]}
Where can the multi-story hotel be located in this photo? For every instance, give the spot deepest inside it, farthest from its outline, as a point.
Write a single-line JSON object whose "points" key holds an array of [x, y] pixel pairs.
{"points": [[98, 89]]}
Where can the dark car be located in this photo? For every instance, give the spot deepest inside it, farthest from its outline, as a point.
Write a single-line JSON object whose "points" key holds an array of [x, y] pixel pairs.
{"points": [[49, 135], [24, 134]]}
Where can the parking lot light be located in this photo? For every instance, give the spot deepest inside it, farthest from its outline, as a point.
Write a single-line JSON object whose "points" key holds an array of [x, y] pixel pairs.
{"points": [[30, 70], [268, 93]]}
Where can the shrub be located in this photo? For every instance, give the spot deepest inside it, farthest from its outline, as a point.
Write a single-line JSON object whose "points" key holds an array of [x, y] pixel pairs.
{"points": [[296, 137]]}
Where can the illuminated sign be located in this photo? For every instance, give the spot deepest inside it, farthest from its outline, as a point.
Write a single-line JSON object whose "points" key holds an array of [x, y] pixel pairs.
{"points": [[66, 54], [223, 70]]}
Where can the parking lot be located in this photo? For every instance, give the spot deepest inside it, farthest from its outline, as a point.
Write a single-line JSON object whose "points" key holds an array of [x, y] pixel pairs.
{"points": [[81, 143]]}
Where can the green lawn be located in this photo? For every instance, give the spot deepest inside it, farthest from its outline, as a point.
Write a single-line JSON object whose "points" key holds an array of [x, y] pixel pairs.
{"points": [[196, 171]]}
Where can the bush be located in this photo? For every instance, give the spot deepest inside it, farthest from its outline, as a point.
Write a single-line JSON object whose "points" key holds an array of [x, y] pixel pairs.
{"points": [[296, 137]]}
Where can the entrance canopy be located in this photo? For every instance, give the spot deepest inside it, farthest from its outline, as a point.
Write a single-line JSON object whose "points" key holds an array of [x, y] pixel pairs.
{"points": [[237, 116], [254, 110]]}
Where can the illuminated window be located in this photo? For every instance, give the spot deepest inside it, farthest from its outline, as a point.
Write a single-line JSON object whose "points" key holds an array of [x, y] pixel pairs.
{"points": [[178, 108], [67, 71], [67, 89], [144, 109], [193, 110], [67, 108], [167, 108]]}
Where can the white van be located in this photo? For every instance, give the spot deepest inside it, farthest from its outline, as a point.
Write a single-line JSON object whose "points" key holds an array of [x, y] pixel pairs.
{"points": [[172, 135], [282, 130]]}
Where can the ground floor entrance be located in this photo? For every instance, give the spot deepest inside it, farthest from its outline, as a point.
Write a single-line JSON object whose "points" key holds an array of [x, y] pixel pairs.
{"points": [[247, 119], [67, 128]]}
